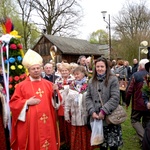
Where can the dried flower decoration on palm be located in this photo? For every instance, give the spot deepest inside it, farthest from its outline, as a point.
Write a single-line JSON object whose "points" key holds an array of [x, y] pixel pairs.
{"points": [[7, 25], [91, 67], [11, 56]]}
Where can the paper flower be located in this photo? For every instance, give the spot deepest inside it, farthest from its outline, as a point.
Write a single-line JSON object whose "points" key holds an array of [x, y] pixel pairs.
{"points": [[13, 46], [19, 46], [10, 79], [6, 61], [11, 60], [10, 86], [20, 66], [12, 67], [83, 88], [16, 78], [14, 33], [19, 58], [5, 38]]}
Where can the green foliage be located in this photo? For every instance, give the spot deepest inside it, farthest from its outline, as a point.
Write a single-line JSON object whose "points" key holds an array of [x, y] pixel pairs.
{"points": [[99, 37], [132, 27], [34, 36], [6, 8], [126, 49], [146, 89], [146, 86]]}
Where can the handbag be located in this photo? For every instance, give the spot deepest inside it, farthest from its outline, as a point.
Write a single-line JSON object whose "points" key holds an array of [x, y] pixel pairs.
{"points": [[118, 116], [123, 84]]}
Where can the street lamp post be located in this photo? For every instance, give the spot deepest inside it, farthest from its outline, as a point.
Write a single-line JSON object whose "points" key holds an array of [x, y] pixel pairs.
{"points": [[108, 23], [143, 49]]}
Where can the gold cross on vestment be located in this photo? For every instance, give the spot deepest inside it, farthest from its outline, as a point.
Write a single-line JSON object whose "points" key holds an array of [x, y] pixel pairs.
{"points": [[40, 92], [44, 118], [46, 145]]}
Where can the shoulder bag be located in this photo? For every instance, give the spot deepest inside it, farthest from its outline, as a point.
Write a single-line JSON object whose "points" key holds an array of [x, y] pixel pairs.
{"points": [[118, 116], [123, 84]]}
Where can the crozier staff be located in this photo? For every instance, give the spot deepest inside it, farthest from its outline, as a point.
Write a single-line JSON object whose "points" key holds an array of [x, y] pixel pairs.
{"points": [[33, 115]]}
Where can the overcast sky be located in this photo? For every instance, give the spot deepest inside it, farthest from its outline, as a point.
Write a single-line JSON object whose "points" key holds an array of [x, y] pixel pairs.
{"points": [[93, 19]]}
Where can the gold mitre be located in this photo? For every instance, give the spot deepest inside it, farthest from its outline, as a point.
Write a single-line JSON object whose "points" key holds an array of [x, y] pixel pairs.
{"points": [[31, 58]]}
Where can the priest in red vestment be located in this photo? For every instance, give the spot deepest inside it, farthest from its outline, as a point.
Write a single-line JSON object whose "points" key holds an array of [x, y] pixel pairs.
{"points": [[33, 115]]}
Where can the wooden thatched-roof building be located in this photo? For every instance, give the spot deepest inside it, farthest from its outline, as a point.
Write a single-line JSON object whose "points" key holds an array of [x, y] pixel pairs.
{"points": [[67, 48]]}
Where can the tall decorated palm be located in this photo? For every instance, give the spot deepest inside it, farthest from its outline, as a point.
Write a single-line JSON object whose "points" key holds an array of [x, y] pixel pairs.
{"points": [[11, 56]]}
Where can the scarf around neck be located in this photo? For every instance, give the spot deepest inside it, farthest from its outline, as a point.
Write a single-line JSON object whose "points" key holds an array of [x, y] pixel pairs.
{"points": [[101, 77], [80, 82]]}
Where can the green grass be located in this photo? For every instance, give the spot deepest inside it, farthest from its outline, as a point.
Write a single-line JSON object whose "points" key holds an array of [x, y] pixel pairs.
{"points": [[130, 138]]}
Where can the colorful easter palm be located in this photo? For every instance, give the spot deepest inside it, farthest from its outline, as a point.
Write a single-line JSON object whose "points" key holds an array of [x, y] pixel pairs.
{"points": [[11, 56]]}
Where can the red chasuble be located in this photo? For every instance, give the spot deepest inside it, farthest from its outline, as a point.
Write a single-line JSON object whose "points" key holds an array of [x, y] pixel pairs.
{"points": [[38, 132]]}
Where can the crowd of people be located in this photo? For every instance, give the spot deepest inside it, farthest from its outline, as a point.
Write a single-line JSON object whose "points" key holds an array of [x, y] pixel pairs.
{"points": [[51, 107]]}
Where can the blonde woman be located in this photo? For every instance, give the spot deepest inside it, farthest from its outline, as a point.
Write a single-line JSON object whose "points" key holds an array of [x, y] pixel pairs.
{"points": [[63, 82]]}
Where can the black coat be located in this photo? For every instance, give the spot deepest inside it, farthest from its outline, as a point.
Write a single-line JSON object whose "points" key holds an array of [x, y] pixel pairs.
{"points": [[51, 77], [135, 68]]}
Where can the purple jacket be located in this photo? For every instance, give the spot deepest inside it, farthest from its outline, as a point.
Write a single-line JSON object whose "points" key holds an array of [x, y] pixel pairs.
{"points": [[134, 90]]}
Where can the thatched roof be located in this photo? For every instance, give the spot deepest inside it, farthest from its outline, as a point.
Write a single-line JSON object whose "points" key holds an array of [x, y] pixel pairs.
{"points": [[73, 46]]}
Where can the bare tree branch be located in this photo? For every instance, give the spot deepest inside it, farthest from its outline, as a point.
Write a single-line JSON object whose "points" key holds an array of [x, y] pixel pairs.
{"points": [[132, 27], [58, 16], [26, 9]]}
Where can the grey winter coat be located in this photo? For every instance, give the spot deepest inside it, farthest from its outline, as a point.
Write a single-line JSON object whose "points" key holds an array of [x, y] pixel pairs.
{"points": [[110, 96], [122, 71]]}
